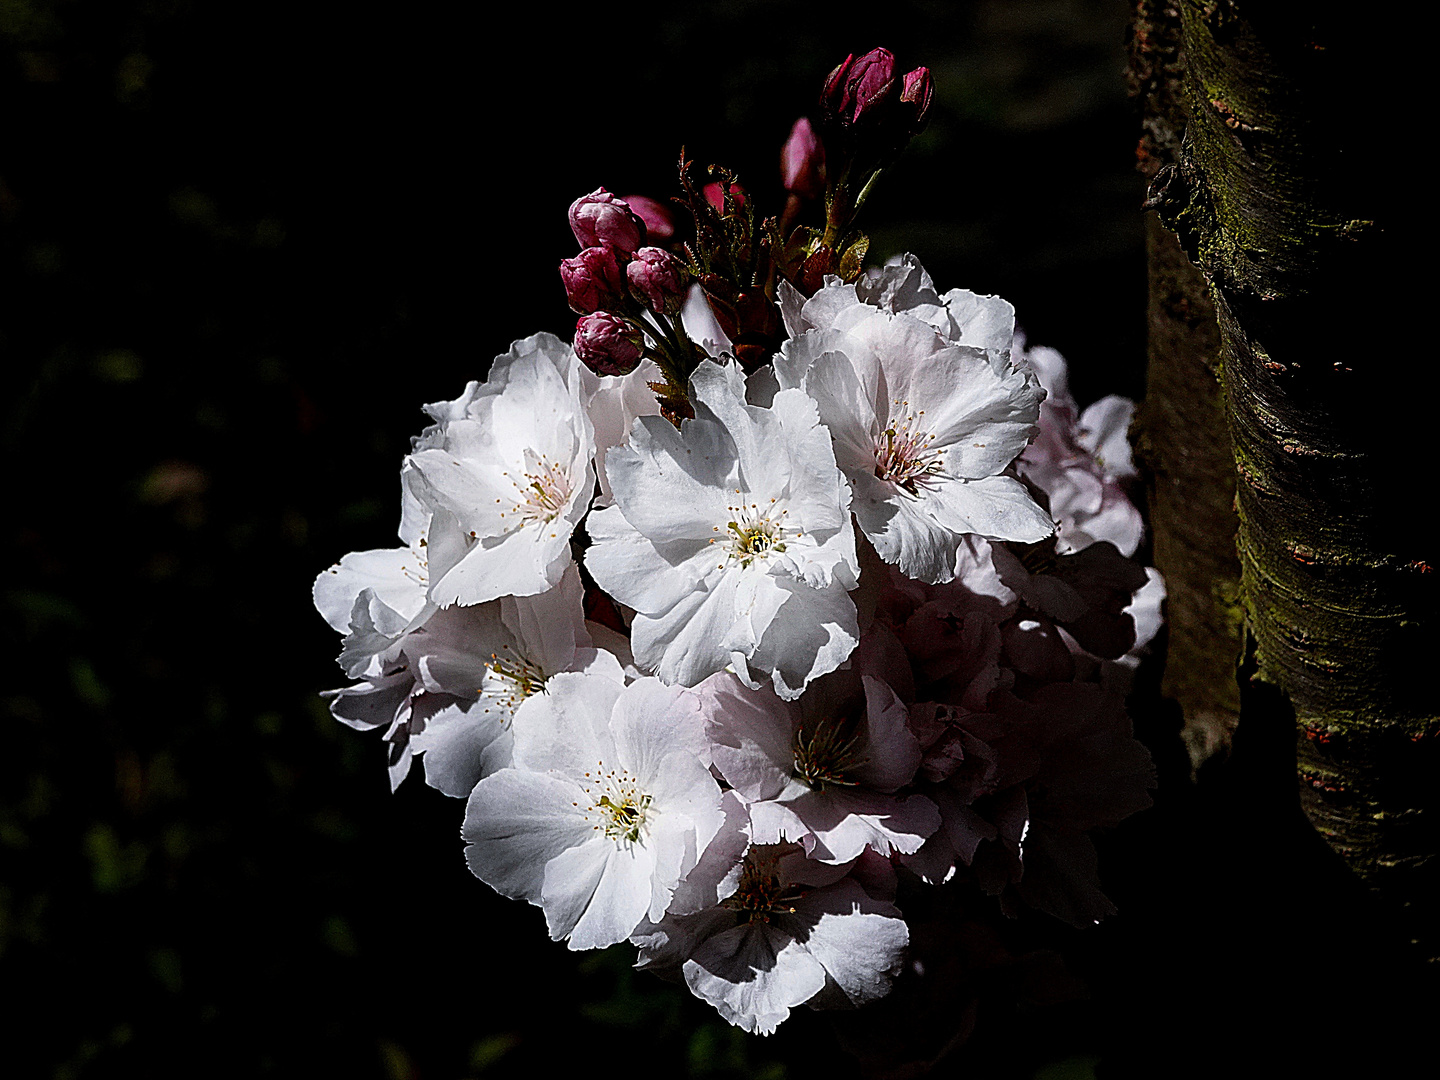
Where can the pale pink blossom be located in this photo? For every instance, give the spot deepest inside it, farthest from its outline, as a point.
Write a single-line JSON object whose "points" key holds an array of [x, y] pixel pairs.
{"points": [[786, 932], [924, 429], [825, 771]]}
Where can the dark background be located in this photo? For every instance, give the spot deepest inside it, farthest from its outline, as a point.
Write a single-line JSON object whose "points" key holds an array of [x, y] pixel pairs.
{"points": [[242, 243]]}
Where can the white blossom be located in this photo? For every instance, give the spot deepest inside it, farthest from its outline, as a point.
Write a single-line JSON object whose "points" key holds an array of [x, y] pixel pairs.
{"points": [[731, 539], [447, 688], [511, 460], [476, 681], [607, 808], [376, 597]]}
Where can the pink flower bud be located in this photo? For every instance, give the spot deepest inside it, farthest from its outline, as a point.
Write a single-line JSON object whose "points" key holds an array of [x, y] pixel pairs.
{"points": [[602, 218], [658, 280], [916, 95], [594, 279], [714, 193], [869, 85], [608, 344], [659, 221], [802, 161]]}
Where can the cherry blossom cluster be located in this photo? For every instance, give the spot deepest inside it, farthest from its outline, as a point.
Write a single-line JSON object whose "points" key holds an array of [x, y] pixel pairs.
{"points": [[865, 610]]}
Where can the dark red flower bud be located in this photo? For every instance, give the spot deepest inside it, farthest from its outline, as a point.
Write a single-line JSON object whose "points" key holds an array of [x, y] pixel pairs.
{"points": [[602, 218], [594, 279], [608, 344], [802, 161], [916, 95], [658, 280], [869, 85]]}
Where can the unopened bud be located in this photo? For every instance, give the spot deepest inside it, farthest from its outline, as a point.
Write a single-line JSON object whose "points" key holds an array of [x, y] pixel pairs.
{"points": [[594, 279], [802, 161], [714, 193], [658, 279], [602, 218], [608, 344], [659, 221], [918, 91], [869, 85]]}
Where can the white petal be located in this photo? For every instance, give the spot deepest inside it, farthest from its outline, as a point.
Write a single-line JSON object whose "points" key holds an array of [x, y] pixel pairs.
{"points": [[814, 632], [751, 733], [596, 894], [717, 872], [1104, 431], [395, 576], [980, 418], [652, 722], [754, 975], [549, 624], [672, 485], [463, 742], [904, 531], [688, 642], [987, 322], [998, 507], [859, 941], [632, 569], [515, 824], [567, 728], [845, 821]]}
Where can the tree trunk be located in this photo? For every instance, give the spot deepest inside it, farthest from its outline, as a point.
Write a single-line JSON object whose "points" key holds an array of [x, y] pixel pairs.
{"points": [[1281, 197], [1182, 443]]}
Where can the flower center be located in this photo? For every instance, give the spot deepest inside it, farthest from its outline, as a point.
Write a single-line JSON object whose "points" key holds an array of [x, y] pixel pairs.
{"points": [[510, 679], [903, 455], [617, 804], [760, 893], [753, 532], [543, 490], [828, 751]]}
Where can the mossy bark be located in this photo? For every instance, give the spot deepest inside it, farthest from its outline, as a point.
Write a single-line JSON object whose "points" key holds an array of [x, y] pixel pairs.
{"points": [[1182, 442], [1281, 196]]}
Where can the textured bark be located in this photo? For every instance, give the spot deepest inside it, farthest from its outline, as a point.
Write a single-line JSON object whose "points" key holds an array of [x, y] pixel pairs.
{"points": [[1279, 195], [1182, 442]]}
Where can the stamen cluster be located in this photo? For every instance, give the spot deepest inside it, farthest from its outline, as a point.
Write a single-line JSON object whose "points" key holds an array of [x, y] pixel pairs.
{"points": [[760, 894], [620, 808], [829, 751], [510, 679], [544, 490], [903, 454], [753, 532]]}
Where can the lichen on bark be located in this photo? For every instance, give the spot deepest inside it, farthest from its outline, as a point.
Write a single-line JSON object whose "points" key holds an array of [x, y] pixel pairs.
{"points": [[1277, 197]]}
